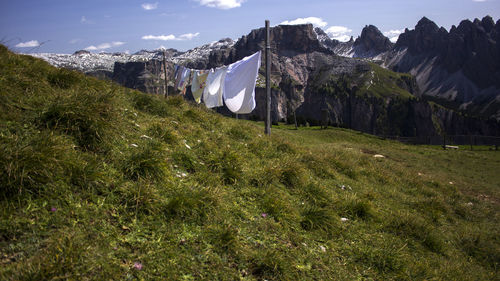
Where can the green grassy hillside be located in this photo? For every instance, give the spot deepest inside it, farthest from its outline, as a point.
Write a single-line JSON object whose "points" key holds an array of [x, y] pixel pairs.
{"points": [[100, 182]]}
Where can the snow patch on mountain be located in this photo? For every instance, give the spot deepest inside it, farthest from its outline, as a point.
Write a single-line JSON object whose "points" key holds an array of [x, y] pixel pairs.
{"points": [[86, 62]]}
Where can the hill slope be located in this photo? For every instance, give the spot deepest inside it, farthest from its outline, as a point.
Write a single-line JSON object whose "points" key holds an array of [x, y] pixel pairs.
{"points": [[101, 182]]}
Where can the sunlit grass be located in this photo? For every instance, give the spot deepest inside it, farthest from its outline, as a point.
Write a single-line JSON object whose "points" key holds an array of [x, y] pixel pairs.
{"points": [[100, 182]]}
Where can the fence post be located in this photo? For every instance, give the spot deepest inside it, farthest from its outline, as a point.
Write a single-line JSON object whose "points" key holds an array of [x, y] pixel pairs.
{"points": [[165, 71], [267, 130]]}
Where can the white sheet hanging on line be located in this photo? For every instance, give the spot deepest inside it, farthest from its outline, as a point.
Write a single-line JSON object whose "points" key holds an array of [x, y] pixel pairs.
{"points": [[212, 95], [184, 79], [239, 85], [199, 83]]}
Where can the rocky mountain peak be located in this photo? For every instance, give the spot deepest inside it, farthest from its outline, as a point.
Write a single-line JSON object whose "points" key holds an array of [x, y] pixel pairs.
{"points": [[426, 37], [372, 39], [488, 23], [325, 39], [426, 24], [81, 52], [286, 40]]}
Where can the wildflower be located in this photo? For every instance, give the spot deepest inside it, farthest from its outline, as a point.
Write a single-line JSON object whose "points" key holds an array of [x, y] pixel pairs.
{"points": [[53, 209], [344, 219], [264, 215], [138, 265], [322, 248]]}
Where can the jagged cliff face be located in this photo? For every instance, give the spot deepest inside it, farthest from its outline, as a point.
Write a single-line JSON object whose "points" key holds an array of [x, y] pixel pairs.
{"points": [[309, 79], [370, 44], [459, 69]]}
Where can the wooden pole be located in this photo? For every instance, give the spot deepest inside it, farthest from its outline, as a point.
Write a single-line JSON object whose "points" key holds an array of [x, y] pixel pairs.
{"points": [[165, 71], [267, 130]]}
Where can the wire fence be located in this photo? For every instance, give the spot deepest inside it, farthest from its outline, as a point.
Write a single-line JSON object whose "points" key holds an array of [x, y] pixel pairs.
{"points": [[450, 140]]}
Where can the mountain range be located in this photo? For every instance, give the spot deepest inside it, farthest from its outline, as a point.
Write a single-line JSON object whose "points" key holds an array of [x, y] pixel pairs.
{"points": [[430, 82]]}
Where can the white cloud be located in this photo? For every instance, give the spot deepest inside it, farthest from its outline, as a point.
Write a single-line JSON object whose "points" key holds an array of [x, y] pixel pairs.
{"points": [[188, 36], [104, 46], [150, 6], [393, 34], [221, 4], [84, 20], [339, 33], [159, 37], [76, 40], [318, 22], [171, 37], [29, 44], [479, 0]]}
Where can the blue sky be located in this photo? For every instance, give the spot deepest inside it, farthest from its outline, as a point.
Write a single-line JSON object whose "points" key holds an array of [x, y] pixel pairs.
{"points": [[64, 26]]}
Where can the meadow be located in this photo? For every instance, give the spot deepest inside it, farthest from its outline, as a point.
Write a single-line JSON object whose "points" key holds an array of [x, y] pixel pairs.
{"points": [[101, 182]]}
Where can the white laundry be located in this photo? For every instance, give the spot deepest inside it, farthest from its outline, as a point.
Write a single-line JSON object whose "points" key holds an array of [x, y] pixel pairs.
{"points": [[239, 85], [212, 95], [199, 83], [184, 79]]}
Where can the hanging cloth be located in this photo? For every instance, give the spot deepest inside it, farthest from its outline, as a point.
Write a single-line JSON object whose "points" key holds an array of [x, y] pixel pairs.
{"points": [[198, 85], [212, 95], [178, 75], [239, 85], [184, 79]]}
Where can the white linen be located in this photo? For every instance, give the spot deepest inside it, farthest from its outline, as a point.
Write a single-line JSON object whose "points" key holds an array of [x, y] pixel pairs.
{"points": [[239, 85], [199, 83], [212, 95]]}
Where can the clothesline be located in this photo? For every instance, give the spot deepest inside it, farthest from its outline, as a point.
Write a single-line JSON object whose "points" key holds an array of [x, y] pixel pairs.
{"points": [[233, 85]]}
